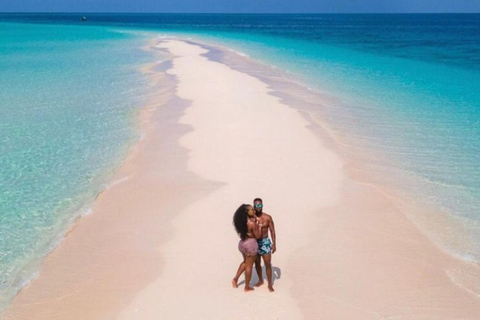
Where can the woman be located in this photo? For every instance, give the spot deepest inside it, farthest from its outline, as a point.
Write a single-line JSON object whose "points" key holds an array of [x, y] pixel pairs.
{"points": [[246, 225]]}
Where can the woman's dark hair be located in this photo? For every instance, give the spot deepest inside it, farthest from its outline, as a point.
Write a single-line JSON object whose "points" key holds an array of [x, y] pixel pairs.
{"points": [[240, 221]]}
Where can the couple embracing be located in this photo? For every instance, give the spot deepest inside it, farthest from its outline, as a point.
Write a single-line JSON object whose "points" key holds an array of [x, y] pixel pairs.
{"points": [[253, 225]]}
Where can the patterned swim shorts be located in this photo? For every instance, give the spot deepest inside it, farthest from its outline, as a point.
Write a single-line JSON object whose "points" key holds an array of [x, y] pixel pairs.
{"points": [[264, 246]]}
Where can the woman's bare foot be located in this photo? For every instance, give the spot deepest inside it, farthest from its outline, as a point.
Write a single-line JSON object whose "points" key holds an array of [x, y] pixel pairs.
{"points": [[247, 289], [234, 283], [259, 283], [270, 288]]}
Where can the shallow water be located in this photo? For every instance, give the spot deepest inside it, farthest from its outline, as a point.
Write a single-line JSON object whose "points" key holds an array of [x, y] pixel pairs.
{"points": [[69, 97]]}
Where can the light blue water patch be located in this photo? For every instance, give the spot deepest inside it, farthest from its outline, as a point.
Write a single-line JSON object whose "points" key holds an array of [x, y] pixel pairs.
{"points": [[69, 96]]}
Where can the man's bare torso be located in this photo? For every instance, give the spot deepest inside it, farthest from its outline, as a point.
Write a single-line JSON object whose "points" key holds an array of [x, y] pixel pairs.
{"points": [[265, 221]]}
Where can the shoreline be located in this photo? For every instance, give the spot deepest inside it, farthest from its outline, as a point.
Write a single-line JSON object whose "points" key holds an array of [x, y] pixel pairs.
{"points": [[452, 232], [201, 180], [81, 278], [461, 272]]}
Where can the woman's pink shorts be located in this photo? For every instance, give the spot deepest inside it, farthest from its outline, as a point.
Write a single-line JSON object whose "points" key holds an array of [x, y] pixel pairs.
{"points": [[248, 246]]}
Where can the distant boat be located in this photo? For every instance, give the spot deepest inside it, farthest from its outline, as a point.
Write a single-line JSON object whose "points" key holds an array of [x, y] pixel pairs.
{"points": [[84, 19]]}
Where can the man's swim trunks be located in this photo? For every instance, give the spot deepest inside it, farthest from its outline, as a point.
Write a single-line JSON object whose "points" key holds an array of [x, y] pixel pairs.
{"points": [[264, 246]]}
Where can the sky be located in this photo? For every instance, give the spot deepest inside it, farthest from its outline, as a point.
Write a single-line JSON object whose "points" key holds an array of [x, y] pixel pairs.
{"points": [[243, 6]]}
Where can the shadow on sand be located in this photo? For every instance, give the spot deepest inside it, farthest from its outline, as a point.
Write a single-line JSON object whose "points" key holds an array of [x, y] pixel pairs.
{"points": [[277, 274]]}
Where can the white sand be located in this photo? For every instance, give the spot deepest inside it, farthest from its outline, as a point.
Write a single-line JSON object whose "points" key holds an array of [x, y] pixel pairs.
{"points": [[256, 147]]}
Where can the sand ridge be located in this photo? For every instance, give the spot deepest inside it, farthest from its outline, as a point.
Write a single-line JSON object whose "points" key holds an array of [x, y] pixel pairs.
{"points": [[253, 145]]}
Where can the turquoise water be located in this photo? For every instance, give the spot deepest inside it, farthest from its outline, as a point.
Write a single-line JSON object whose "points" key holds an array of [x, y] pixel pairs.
{"points": [[423, 117], [69, 97], [406, 103]]}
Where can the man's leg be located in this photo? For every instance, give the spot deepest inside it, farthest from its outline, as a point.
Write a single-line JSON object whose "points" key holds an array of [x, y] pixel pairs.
{"points": [[258, 268], [267, 259]]}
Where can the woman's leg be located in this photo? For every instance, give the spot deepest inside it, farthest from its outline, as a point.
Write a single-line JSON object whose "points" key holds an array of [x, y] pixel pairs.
{"points": [[241, 269], [249, 260]]}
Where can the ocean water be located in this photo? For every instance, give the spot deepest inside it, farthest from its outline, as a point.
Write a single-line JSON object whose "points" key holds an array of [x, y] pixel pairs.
{"points": [[406, 92], [68, 100]]}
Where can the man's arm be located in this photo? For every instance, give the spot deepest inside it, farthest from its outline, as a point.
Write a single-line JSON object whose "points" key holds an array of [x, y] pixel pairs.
{"points": [[271, 226]]}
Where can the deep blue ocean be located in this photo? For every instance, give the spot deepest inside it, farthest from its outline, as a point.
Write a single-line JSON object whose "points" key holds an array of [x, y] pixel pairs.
{"points": [[406, 86]]}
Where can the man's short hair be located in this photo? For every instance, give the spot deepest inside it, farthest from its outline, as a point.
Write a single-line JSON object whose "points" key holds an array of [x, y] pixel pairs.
{"points": [[257, 199]]}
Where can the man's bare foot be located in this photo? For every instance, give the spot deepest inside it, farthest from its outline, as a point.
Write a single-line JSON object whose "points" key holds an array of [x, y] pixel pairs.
{"points": [[259, 283], [234, 283], [247, 289], [270, 288]]}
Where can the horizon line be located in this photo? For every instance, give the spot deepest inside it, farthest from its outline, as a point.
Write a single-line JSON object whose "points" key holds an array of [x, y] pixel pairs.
{"points": [[252, 13]]}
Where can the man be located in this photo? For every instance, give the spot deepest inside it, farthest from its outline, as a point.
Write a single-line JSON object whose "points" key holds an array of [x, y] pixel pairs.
{"points": [[266, 247]]}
